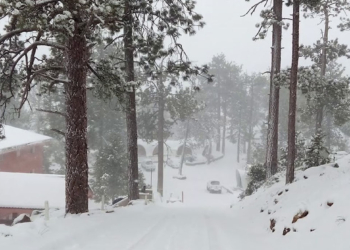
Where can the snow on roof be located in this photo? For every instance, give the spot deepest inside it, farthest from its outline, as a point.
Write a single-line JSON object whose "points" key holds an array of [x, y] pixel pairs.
{"points": [[20, 190], [17, 137]]}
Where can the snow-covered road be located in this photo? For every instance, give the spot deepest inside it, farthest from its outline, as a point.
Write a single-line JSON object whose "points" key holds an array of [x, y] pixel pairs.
{"points": [[152, 227], [188, 229], [203, 222]]}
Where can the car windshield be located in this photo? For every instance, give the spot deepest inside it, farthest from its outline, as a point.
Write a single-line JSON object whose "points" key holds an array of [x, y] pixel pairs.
{"points": [[215, 183], [148, 163]]}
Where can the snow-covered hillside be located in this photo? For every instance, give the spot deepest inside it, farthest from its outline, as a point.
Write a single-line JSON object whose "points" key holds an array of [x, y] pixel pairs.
{"points": [[321, 194], [205, 221]]}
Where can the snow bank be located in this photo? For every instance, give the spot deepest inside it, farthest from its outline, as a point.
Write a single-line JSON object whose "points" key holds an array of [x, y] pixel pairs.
{"points": [[321, 194], [21, 190], [63, 232]]}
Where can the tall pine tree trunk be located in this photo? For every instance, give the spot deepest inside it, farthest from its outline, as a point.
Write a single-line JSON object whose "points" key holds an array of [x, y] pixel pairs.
{"points": [[131, 125], [184, 146], [224, 129], [160, 136], [319, 112], [271, 88], [76, 125], [218, 142], [272, 133], [231, 130], [293, 94], [244, 143], [250, 132]]}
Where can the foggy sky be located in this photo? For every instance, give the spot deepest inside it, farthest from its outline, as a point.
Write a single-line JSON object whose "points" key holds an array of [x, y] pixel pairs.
{"points": [[229, 33]]}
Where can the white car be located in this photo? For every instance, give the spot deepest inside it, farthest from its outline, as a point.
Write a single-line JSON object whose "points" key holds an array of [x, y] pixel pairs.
{"points": [[172, 164], [214, 187], [148, 165]]}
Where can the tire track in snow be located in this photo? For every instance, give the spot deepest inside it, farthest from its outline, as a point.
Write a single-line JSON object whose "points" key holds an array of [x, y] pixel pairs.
{"points": [[148, 237], [214, 243], [182, 230]]}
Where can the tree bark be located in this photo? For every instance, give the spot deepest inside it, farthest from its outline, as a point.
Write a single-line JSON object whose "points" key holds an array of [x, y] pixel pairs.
{"points": [[76, 122], [133, 189], [272, 133], [293, 94], [319, 112], [271, 88], [250, 133], [160, 136], [224, 129]]}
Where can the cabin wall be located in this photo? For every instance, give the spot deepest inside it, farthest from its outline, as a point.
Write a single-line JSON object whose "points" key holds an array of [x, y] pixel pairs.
{"points": [[26, 159]]}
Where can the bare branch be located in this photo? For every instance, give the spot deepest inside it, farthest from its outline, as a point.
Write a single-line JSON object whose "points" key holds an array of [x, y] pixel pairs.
{"points": [[253, 8], [49, 44], [51, 68], [15, 32], [52, 112], [94, 72], [58, 131], [55, 80], [121, 36]]}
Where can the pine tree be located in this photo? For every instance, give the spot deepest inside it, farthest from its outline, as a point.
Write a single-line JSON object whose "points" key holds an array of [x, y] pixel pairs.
{"points": [[69, 28], [163, 103], [272, 18], [146, 26], [325, 50], [111, 170], [293, 94], [272, 132], [259, 148], [317, 153], [300, 149]]}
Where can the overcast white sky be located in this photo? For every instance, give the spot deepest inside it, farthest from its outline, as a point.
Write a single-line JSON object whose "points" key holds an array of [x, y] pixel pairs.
{"points": [[229, 33]]}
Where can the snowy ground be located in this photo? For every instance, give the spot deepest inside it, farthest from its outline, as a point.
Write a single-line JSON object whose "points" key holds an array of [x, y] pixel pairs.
{"points": [[206, 221], [194, 187]]}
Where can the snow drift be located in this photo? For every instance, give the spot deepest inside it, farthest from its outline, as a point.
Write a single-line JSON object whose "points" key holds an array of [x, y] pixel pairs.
{"points": [[312, 213]]}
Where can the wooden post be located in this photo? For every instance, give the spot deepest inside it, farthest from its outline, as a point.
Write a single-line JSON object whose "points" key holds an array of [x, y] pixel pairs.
{"points": [[182, 196], [47, 215], [146, 198], [103, 203]]}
